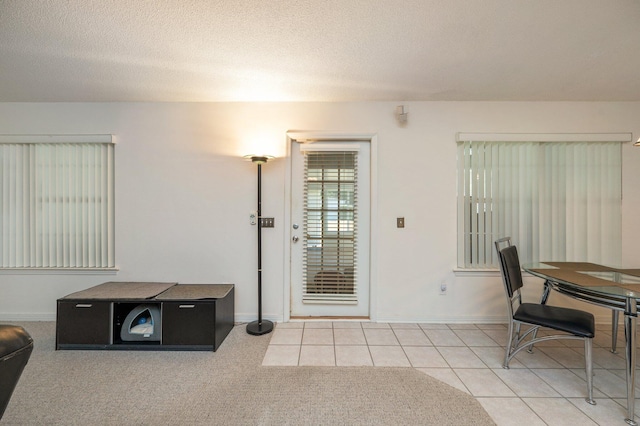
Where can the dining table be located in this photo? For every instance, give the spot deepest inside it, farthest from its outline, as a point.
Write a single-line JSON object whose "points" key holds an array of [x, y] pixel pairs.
{"points": [[615, 288]]}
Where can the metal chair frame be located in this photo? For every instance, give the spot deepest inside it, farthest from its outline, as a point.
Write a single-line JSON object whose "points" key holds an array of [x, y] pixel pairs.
{"points": [[516, 341]]}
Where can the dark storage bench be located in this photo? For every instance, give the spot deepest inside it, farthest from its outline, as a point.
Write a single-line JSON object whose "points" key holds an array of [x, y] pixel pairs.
{"points": [[146, 316]]}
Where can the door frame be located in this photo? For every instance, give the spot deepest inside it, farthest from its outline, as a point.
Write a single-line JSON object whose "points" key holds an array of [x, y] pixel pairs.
{"points": [[310, 136]]}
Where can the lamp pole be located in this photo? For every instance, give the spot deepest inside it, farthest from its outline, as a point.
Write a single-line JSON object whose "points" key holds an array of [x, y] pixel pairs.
{"points": [[259, 327]]}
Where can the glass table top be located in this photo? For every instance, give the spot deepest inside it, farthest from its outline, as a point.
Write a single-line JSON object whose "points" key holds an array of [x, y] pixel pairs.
{"points": [[589, 277], [614, 276]]}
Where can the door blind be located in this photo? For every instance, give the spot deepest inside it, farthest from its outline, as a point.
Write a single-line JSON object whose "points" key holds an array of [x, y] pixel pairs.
{"points": [[330, 227], [57, 204]]}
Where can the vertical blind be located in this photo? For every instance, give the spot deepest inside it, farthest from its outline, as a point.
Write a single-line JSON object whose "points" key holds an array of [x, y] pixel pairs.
{"points": [[57, 204], [557, 200], [330, 225]]}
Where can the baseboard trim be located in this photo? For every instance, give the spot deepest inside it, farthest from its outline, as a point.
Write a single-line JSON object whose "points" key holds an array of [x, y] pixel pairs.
{"points": [[33, 316], [244, 318]]}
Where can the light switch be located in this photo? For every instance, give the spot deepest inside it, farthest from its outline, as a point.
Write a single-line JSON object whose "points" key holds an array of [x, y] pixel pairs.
{"points": [[400, 222], [267, 222]]}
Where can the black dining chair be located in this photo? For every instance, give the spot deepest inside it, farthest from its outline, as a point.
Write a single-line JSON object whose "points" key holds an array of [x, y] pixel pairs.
{"points": [[16, 346], [574, 323]]}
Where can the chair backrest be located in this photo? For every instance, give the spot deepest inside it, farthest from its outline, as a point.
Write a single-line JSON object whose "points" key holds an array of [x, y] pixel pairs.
{"points": [[16, 346], [509, 266]]}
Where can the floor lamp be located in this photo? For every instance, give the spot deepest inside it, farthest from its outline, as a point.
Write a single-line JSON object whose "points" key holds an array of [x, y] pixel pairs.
{"points": [[259, 327]]}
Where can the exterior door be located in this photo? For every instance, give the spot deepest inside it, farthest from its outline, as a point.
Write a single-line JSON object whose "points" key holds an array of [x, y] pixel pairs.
{"points": [[330, 235]]}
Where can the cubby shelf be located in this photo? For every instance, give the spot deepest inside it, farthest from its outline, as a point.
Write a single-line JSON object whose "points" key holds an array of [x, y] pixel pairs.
{"points": [[189, 316]]}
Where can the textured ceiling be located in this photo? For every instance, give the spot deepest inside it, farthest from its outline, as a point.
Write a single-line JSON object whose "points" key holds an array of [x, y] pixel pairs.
{"points": [[319, 50]]}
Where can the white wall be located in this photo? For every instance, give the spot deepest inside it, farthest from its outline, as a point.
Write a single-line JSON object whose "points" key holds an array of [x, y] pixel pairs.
{"points": [[183, 195]]}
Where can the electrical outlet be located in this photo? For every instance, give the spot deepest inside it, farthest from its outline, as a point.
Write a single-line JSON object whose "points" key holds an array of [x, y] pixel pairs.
{"points": [[443, 288], [253, 218]]}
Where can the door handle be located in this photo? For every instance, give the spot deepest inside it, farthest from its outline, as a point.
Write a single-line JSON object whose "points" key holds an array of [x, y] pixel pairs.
{"points": [[295, 238]]}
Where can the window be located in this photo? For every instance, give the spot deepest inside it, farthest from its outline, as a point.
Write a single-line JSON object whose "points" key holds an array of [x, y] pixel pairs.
{"points": [[558, 197], [330, 226], [57, 202]]}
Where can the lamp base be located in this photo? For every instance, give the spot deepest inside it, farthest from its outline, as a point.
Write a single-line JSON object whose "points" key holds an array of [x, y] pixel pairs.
{"points": [[259, 328]]}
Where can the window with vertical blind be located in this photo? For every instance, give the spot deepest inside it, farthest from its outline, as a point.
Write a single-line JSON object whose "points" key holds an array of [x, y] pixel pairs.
{"points": [[57, 202], [558, 196], [330, 224]]}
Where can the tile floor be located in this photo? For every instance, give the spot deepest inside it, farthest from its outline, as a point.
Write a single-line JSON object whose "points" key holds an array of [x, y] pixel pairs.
{"points": [[546, 387]]}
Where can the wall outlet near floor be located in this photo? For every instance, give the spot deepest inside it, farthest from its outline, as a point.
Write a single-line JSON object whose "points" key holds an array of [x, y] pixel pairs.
{"points": [[443, 288]]}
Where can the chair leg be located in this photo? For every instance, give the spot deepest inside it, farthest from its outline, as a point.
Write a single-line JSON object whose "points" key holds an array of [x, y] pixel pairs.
{"points": [[588, 359], [533, 337], [505, 364]]}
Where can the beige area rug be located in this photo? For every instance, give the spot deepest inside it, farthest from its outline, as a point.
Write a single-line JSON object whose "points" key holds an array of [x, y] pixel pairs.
{"points": [[227, 387]]}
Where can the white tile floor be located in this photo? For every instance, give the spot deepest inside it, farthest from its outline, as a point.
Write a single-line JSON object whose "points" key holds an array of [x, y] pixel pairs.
{"points": [[546, 387]]}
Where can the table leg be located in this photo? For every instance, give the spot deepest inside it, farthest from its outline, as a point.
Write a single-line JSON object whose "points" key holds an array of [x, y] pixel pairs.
{"points": [[545, 292], [614, 331], [630, 316], [543, 300]]}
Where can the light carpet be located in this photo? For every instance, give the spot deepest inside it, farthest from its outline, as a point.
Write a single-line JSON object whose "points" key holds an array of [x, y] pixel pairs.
{"points": [[227, 387]]}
